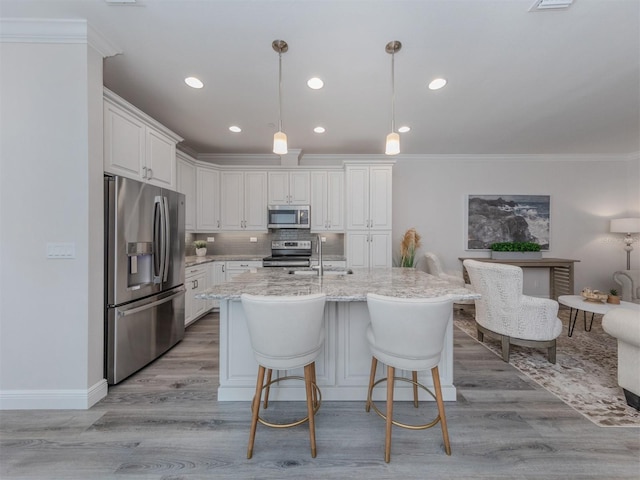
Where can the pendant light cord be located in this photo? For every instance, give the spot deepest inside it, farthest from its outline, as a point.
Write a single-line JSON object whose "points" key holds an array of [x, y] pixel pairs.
{"points": [[280, 91], [393, 93]]}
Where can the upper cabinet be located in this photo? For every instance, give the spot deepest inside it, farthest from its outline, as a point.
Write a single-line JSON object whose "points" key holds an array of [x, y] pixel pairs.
{"points": [[136, 146], [327, 201], [369, 198], [289, 188], [243, 200], [186, 184], [207, 199]]}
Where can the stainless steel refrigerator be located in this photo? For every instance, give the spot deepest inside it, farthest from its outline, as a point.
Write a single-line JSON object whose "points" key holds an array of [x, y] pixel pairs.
{"points": [[144, 269]]}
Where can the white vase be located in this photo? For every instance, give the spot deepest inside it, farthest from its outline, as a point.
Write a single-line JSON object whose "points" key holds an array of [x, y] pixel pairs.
{"points": [[201, 252]]}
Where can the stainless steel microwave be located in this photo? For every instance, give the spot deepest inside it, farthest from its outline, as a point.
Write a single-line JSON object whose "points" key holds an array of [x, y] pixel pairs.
{"points": [[288, 216]]}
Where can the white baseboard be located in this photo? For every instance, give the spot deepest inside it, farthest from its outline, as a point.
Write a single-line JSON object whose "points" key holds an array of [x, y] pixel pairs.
{"points": [[53, 399]]}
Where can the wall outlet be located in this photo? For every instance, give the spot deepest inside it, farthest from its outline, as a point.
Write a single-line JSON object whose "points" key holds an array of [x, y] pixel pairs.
{"points": [[211, 239], [253, 239], [323, 239]]}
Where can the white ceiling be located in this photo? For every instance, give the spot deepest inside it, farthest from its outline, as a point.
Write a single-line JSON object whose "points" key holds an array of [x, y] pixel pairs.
{"points": [[520, 82]]}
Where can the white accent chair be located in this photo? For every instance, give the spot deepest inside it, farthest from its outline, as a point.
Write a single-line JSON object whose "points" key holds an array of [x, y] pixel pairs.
{"points": [[503, 310], [629, 281], [434, 267], [286, 332], [408, 334], [624, 324]]}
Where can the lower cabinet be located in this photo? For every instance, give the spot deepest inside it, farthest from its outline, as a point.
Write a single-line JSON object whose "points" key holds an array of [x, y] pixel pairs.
{"points": [[195, 279], [369, 249], [217, 275], [237, 267], [330, 263]]}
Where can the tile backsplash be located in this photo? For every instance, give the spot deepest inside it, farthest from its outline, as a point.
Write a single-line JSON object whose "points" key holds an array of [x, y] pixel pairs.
{"points": [[231, 243]]}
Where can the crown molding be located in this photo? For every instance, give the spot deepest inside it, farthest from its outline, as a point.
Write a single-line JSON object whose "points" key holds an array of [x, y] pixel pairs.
{"points": [[67, 31]]}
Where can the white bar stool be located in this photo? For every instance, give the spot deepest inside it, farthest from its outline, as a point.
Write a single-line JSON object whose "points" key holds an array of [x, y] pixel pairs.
{"points": [[286, 332], [407, 333]]}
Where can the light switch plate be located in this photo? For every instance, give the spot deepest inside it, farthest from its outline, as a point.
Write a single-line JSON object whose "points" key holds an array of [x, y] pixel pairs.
{"points": [[211, 239], [61, 250], [253, 239]]}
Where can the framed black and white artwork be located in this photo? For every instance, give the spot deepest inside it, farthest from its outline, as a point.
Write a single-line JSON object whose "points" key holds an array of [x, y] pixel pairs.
{"points": [[507, 218]]}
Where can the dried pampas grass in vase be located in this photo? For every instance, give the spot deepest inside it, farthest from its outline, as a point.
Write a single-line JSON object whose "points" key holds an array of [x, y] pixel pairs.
{"points": [[410, 244]]}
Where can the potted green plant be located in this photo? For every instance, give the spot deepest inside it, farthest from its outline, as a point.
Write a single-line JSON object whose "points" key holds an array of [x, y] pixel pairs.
{"points": [[613, 297], [515, 250], [201, 247]]}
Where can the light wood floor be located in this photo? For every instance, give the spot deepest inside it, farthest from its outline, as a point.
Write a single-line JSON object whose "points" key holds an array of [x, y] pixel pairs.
{"points": [[164, 423]]}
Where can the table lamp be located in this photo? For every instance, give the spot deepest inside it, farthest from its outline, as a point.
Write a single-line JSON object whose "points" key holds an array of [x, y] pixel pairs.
{"points": [[628, 226]]}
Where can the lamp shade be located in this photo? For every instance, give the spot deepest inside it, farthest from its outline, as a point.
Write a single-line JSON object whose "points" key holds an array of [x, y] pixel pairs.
{"points": [[393, 144], [280, 143], [625, 225]]}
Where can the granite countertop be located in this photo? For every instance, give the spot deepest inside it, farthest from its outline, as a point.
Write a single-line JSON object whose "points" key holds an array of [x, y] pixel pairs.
{"points": [[394, 282]]}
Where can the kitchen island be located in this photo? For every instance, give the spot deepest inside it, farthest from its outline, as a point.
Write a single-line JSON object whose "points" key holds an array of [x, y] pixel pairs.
{"points": [[342, 369]]}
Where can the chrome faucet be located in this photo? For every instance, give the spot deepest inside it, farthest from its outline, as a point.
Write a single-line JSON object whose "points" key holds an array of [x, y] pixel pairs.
{"points": [[319, 250]]}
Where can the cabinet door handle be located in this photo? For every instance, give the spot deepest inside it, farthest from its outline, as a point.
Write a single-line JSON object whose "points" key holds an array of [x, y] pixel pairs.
{"points": [[144, 172], [150, 173], [218, 223], [222, 268], [196, 284]]}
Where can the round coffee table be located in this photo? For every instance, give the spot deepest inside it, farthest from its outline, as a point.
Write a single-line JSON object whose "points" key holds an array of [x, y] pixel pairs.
{"points": [[578, 303]]}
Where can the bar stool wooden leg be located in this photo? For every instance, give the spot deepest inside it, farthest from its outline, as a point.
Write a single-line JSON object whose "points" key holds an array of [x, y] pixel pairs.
{"points": [[372, 378], [255, 410], [268, 387], [387, 441], [415, 388], [313, 390], [443, 419], [308, 376]]}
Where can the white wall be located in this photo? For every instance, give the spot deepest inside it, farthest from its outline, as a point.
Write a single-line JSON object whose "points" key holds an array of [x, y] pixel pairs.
{"points": [[429, 193], [50, 191]]}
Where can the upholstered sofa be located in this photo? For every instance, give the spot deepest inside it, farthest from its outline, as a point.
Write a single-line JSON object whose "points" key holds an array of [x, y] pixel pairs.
{"points": [[624, 324], [629, 281]]}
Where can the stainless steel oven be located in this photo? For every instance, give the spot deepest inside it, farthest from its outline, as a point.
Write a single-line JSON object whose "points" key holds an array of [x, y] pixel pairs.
{"points": [[289, 253]]}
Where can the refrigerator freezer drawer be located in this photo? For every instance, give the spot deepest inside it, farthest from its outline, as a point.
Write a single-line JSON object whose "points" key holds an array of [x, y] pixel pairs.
{"points": [[139, 332]]}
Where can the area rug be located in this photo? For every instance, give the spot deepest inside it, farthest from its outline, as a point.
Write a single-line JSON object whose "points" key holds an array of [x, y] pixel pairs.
{"points": [[585, 373]]}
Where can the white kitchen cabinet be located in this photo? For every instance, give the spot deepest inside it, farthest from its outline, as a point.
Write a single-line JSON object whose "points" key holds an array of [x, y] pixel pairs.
{"points": [[243, 200], [217, 275], [236, 267], [330, 263], [289, 188], [369, 249], [207, 199], [196, 279], [186, 184], [369, 197], [327, 201], [137, 146]]}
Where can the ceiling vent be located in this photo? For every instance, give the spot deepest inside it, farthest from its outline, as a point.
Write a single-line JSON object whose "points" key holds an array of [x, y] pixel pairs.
{"points": [[542, 5]]}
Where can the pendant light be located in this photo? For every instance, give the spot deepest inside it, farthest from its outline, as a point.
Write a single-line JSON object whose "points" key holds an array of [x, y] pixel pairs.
{"points": [[393, 139], [280, 138]]}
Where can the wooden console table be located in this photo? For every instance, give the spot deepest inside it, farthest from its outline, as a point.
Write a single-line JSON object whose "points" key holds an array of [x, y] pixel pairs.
{"points": [[560, 272]]}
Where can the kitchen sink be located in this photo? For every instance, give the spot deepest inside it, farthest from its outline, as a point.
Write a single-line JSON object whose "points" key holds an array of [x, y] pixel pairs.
{"points": [[327, 271]]}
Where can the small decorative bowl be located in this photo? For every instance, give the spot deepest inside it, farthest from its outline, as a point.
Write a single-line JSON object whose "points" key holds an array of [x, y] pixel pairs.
{"points": [[594, 296]]}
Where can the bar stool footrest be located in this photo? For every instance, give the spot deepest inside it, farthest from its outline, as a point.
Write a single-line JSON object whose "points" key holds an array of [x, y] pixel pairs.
{"points": [[396, 423]]}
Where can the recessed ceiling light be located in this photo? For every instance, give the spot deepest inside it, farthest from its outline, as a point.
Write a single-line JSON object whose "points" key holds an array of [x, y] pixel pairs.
{"points": [[319, 130], [235, 129], [437, 84], [193, 82], [315, 83], [404, 129]]}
